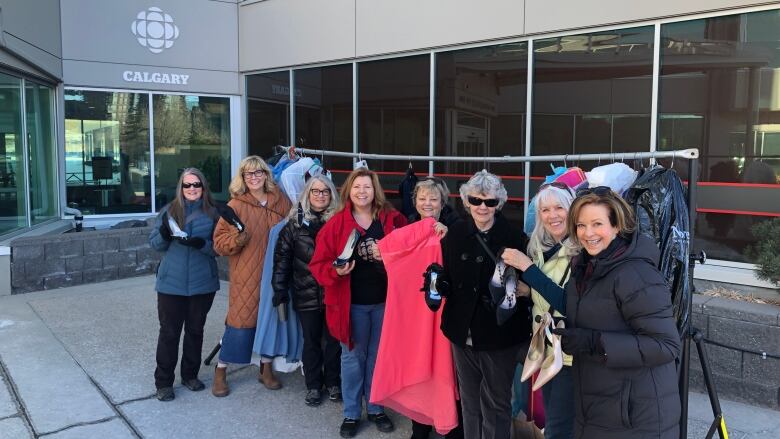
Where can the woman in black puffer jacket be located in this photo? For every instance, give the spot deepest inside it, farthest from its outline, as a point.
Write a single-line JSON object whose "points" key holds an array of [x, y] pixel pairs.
{"points": [[291, 276]]}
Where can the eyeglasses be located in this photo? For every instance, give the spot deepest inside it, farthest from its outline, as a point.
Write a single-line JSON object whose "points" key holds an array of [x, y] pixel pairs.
{"points": [[320, 192], [195, 184], [476, 201], [598, 190], [256, 174], [556, 184]]}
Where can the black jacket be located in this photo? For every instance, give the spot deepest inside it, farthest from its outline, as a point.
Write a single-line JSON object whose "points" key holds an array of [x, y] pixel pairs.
{"points": [[292, 254], [468, 268], [632, 391]]}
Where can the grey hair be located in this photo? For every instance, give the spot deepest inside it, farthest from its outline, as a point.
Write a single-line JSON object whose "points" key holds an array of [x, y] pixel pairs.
{"points": [[431, 185], [541, 240], [485, 183], [305, 203]]}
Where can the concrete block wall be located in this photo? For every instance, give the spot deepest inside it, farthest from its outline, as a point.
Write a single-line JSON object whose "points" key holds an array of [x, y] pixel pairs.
{"points": [[739, 375], [56, 261]]}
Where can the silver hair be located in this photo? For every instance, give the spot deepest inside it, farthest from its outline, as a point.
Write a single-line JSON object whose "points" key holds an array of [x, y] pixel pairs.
{"points": [[430, 185], [541, 240], [305, 203], [485, 183]]}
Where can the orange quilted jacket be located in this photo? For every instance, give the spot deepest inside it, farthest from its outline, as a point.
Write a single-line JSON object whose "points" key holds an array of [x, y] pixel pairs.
{"points": [[246, 262]]}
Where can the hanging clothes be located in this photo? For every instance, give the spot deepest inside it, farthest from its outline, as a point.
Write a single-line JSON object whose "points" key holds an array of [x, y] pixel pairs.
{"points": [[273, 337], [406, 189], [414, 372], [294, 177], [660, 203], [284, 162]]}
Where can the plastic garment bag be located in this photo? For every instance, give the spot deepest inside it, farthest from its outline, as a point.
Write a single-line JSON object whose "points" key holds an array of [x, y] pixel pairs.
{"points": [[617, 176], [659, 200]]}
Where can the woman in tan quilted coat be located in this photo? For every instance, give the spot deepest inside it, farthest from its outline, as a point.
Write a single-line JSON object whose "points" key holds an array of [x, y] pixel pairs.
{"points": [[258, 205]]}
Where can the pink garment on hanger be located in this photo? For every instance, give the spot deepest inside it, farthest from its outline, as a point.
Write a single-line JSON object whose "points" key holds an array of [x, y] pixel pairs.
{"points": [[414, 373]]}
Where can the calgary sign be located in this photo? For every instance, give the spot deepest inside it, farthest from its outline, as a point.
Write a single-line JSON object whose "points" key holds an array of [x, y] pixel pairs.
{"points": [[155, 77]]}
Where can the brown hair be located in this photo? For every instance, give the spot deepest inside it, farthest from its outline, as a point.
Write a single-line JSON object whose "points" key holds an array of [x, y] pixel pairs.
{"points": [[378, 204], [176, 207], [621, 215], [238, 186]]}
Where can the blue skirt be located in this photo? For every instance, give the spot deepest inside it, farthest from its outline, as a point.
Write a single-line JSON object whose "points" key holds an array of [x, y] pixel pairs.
{"points": [[237, 345]]}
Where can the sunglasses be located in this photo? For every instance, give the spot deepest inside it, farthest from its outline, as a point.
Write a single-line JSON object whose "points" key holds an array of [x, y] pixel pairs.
{"points": [[556, 184], [318, 192], [196, 185], [476, 201], [256, 174], [601, 191]]}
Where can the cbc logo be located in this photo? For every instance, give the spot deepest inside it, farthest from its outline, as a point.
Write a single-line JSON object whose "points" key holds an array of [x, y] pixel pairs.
{"points": [[155, 30]]}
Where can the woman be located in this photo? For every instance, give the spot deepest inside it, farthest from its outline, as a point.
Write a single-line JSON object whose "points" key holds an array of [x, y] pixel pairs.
{"points": [[355, 292], [186, 280], [551, 252], [619, 325], [257, 201], [484, 352], [291, 276], [430, 197]]}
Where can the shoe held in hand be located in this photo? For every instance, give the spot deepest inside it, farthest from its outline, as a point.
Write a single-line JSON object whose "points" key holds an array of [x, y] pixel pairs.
{"points": [[165, 232], [228, 214]]}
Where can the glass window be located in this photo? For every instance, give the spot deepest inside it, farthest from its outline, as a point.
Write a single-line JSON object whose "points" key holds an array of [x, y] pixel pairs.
{"points": [[393, 115], [720, 92], [44, 184], [13, 207], [268, 112], [592, 93], [480, 111], [323, 113], [191, 131], [107, 151]]}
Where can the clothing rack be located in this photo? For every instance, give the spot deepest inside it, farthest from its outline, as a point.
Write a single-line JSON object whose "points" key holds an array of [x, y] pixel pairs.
{"points": [[691, 155]]}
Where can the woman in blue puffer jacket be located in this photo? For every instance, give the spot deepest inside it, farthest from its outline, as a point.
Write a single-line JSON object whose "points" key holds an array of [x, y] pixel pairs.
{"points": [[187, 280]]}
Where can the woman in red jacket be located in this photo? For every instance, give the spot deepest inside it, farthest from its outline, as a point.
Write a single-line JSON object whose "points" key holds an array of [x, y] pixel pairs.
{"points": [[355, 292]]}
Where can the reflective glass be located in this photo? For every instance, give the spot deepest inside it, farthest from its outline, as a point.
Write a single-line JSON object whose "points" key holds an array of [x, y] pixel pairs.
{"points": [[44, 184], [107, 151], [323, 113], [720, 92], [191, 131], [13, 206], [480, 111], [592, 94], [268, 112]]}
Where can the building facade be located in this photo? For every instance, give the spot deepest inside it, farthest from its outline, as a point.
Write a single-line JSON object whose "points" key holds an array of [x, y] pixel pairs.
{"points": [[120, 96]]}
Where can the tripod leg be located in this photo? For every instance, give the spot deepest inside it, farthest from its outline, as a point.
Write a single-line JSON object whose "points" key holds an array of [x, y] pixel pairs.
{"points": [[214, 351], [718, 424]]}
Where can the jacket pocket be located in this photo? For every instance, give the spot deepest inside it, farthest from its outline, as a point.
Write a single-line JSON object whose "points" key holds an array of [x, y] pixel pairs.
{"points": [[625, 404]]}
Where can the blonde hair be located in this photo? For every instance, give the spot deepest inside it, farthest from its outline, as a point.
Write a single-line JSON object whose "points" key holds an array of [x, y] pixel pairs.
{"points": [[305, 203], [252, 163], [378, 204], [621, 216]]}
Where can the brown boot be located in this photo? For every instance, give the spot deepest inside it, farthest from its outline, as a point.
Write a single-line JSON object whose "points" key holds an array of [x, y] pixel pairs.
{"points": [[267, 378], [220, 387]]}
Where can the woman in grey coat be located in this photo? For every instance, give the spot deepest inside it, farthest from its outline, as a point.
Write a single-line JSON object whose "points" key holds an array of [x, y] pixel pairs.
{"points": [[186, 280], [619, 325]]}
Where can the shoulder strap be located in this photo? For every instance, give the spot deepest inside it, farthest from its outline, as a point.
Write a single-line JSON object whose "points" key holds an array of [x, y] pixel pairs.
{"points": [[565, 273], [484, 245]]}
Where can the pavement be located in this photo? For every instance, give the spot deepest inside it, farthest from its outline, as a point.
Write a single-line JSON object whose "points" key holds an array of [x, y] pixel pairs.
{"points": [[78, 363]]}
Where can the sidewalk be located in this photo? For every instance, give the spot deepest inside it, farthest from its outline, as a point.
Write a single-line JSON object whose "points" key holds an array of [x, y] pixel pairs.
{"points": [[77, 363]]}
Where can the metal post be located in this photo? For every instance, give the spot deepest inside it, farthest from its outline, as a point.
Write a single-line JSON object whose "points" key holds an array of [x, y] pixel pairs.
{"points": [[685, 363]]}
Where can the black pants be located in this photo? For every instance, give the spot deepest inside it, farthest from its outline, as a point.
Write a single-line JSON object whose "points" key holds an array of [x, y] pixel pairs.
{"points": [[174, 312], [423, 431], [485, 380], [314, 356]]}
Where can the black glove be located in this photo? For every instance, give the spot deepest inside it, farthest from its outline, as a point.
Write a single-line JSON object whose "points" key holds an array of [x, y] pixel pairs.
{"points": [[165, 231], [192, 242], [578, 340], [279, 299], [229, 215], [440, 288]]}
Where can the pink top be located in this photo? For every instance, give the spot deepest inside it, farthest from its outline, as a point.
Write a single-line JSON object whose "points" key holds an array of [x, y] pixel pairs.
{"points": [[414, 373]]}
